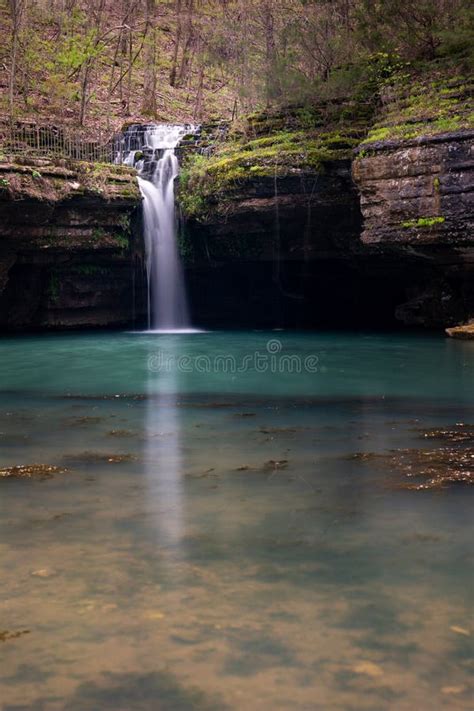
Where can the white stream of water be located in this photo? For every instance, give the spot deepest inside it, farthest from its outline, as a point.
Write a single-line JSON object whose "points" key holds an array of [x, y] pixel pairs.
{"points": [[167, 303]]}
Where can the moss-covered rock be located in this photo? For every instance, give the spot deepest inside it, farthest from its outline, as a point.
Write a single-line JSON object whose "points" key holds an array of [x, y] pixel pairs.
{"points": [[57, 179], [209, 183], [437, 100]]}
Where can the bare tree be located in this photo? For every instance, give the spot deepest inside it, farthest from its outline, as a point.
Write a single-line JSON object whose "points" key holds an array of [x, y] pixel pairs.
{"points": [[17, 10], [149, 60], [177, 42]]}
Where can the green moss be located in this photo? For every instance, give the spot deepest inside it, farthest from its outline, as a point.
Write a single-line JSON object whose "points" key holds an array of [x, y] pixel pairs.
{"points": [[422, 104], [99, 234], [424, 222], [122, 240], [124, 221], [208, 183]]}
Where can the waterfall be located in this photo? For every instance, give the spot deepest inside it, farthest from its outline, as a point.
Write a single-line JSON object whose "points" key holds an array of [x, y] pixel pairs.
{"points": [[152, 150]]}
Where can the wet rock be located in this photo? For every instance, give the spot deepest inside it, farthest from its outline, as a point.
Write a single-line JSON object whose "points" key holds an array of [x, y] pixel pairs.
{"points": [[43, 573], [274, 464], [460, 630], [436, 468], [31, 471], [455, 433], [451, 690], [368, 668], [464, 332]]}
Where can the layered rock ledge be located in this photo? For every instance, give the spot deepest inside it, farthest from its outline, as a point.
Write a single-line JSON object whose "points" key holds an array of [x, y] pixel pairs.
{"points": [[70, 244], [417, 196]]}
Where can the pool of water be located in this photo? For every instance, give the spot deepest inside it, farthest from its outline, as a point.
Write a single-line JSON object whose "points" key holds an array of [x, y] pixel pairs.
{"points": [[213, 544]]}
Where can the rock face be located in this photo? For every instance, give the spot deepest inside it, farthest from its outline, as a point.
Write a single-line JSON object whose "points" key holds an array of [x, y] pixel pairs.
{"points": [[417, 197], [287, 252], [70, 246], [418, 192], [385, 240]]}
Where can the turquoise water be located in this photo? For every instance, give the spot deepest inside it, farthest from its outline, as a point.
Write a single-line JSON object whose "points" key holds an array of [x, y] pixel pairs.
{"points": [[212, 544]]}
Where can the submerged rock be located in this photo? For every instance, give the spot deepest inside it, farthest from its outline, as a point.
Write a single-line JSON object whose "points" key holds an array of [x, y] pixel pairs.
{"points": [[43, 573], [5, 635], [464, 332], [120, 433], [433, 468], [100, 457], [31, 471], [368, 668], [458, 433], [274, 464], [83, 421]]}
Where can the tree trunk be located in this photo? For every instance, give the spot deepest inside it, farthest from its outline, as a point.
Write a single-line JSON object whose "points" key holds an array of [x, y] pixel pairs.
{"points": [[179, 31], [188, 43], [17, 8], [272, 81], [149, 58]]}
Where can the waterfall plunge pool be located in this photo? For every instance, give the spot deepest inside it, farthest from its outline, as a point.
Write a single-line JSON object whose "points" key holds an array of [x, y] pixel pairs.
{"points": [[214, 544]]}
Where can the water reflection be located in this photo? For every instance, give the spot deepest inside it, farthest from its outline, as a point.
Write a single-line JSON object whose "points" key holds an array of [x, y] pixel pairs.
{"points": [[163, 458]]}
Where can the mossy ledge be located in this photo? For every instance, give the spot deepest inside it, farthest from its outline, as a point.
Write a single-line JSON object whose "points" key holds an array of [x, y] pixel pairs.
{"points": [[210, 183], [56, 179]]}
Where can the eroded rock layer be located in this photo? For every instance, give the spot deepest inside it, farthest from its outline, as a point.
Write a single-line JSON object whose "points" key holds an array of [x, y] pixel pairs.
{"points": [[70, 245]]}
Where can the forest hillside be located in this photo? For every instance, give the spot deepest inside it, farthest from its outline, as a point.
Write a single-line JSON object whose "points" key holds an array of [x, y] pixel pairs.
{"points": [[100, 64]]}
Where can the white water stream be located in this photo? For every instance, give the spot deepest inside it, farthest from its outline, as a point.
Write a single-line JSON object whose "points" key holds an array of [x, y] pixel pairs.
{"points": [[167, 302]]}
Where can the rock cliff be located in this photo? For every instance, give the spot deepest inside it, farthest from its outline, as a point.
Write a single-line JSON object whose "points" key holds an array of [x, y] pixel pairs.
{"points": [[70, 245], [417, 196]]}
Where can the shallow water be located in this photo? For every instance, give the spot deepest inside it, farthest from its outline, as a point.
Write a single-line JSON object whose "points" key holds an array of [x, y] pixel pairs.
{"points": [[237, 558]]}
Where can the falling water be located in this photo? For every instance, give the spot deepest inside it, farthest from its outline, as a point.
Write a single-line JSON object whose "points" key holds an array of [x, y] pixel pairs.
{"points": [[154, 146]]}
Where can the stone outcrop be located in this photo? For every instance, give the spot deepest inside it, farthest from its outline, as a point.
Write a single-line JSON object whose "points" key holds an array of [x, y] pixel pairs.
{"points": [[381, 240], [418, 192], [287, 252], [417, 197], [375, 241], [70, 245]]}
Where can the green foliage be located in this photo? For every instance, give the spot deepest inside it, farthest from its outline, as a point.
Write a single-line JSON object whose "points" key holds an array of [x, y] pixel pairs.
{"points": [[424, 222], [124, 221], [99, 234], [122, 240]]}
